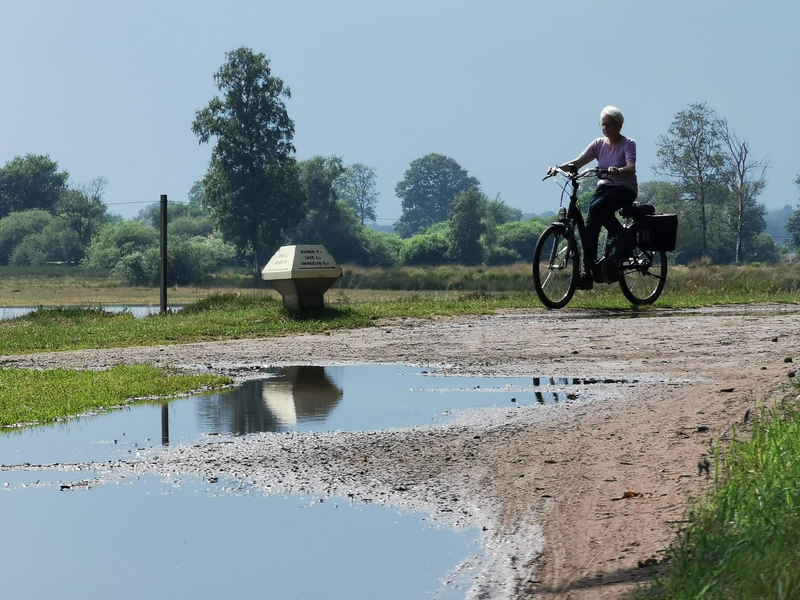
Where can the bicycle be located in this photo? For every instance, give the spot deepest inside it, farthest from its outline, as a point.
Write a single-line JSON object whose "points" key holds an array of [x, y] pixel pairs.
{"points": [[641, 270]]}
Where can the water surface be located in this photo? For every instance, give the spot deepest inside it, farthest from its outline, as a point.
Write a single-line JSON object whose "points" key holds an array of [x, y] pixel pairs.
{"points": [[300, 398]]}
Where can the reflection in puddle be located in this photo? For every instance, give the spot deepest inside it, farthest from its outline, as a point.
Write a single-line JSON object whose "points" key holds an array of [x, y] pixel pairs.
{"points": [[154, 539], [292, 395], [563, 381], [304, 398]]}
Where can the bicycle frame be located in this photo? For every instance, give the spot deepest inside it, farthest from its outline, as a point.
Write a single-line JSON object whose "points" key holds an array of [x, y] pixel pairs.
{"points": [[573, 217]]}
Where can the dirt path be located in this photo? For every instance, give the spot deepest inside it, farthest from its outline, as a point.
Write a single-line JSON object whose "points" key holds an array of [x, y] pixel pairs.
{"points": [[543, 483]]}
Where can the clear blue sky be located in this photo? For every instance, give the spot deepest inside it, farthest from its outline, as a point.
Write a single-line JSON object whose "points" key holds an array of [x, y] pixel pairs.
{"points": [[110, 88]]}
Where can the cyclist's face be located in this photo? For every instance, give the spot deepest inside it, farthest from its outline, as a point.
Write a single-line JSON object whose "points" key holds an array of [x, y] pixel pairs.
{"points": [[609, 126]]}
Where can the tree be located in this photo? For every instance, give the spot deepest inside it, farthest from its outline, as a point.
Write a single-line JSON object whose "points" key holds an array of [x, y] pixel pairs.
{"points": [[329, 221], [83, 209], [501, 213], [356, 186], [57, 242], [253, 184], [197, 194], [466, 227], [114, 242], [793, 222], [520, 237], [19, 225], [429, 187], [745, 179], [691, 156], [30, 181]]}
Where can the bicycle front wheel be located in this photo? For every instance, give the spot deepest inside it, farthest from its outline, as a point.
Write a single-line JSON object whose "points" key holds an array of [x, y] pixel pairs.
{"points": [[644, 275], [555, 267]]}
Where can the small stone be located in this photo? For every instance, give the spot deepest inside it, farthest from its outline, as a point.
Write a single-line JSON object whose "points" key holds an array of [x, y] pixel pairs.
{"points": [[513, 399], [788, 359], [775, 339], [792, 373]]}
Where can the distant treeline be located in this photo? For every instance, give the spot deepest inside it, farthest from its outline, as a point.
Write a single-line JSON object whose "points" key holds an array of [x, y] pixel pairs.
{"points": [[256, 196]]}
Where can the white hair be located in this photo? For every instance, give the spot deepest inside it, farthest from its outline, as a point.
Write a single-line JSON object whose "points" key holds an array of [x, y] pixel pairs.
{"points": [[614, 113]]}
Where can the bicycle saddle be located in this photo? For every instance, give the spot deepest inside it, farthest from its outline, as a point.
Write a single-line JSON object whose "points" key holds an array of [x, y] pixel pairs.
{"points": [[638, 210]]}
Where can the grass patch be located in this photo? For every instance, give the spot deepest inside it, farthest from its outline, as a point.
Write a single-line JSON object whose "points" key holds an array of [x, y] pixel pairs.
{"points": [[744, 540], [28, 396], [260, 314]]}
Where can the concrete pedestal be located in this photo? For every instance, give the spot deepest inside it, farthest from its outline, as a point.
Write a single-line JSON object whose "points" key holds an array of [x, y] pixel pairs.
{"points": [[302, 275]]}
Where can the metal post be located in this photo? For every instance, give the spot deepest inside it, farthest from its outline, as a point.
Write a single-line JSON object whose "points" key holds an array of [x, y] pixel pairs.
{"points": [[163, 254]]}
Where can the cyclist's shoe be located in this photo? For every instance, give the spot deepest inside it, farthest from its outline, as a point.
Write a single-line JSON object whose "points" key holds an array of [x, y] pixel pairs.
{"points": [[585, 282]]}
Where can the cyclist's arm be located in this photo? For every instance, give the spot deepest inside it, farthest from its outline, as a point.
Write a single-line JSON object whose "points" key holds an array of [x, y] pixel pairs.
{"points": [[576, 163], [583, 159], [628, 169]]}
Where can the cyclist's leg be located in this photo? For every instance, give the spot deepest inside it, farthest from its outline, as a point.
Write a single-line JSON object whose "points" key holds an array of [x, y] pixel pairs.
{"points": [[600, 208], [606, 201]]}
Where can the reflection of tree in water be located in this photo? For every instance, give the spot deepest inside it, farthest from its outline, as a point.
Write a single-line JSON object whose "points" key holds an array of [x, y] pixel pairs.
{"points": [[274, 404]]}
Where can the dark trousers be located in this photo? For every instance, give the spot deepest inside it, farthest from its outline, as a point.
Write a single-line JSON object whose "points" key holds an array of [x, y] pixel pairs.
{"points": [[607, 200]]}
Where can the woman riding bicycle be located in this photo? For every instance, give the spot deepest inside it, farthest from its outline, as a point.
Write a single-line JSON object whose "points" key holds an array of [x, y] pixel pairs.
{"points": [[617, 154]]}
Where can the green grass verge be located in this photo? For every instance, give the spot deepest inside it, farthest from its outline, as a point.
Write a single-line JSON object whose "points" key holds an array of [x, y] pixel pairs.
{"points": [[28, 396], [233, 316], [744, 540]]}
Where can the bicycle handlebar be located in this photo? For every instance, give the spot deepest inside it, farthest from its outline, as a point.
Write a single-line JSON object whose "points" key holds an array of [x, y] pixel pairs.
{"points": [[576, 176]]}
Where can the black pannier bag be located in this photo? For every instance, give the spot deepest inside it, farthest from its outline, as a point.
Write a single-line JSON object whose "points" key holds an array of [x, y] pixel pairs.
{"points": [[657, 232]]}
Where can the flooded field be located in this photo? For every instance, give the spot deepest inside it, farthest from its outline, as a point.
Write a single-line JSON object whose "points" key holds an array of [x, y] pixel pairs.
{"points": [[137, 310]]}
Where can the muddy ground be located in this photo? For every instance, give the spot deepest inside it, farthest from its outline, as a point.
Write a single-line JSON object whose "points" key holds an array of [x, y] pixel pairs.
{"points": [[545, 484]]}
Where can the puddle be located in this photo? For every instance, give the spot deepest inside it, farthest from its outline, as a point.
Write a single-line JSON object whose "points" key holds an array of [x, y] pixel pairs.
{"points": [[306, 398], [152, 538], [137, 310]]}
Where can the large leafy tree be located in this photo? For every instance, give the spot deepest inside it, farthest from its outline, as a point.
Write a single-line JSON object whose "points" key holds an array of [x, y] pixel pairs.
{"points": [[428, 189], [253, 184], [356, 186], [30, 181], [691, 156]]}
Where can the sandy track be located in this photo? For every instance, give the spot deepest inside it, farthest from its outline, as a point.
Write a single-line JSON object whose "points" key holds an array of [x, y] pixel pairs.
{"points": [[543, 483]]}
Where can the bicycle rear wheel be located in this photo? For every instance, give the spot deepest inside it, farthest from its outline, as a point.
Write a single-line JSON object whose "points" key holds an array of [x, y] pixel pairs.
{"points": [[644, 275], [555, 267]]}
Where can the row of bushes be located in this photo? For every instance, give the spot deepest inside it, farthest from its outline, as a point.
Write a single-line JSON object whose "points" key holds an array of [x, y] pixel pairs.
{"points": [[781, 278], [502, 245]]}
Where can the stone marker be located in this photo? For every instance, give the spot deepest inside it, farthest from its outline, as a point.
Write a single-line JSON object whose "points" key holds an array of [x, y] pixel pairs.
{"points": [[302, 275]]}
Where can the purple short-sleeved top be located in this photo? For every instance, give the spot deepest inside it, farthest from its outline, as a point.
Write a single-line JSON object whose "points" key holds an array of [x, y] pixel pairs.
{"points": [[617, 156]]}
